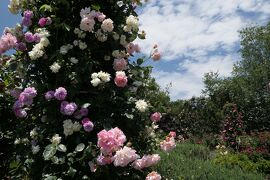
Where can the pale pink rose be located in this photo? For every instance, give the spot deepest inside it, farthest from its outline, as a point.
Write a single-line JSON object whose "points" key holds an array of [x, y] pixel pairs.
{"points": [[124, 156], [155, 117], [120, 79], [87, 24], [93, 167], [168, 144], [100, 16], [156, 55], [120, 64], [153, 176], [110, 141], [131, 48], [107, 25], [146, 161], [104, 160]]}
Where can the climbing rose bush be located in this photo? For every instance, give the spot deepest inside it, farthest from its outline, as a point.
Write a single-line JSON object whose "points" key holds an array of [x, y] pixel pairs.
{"points": [[79, 94]]}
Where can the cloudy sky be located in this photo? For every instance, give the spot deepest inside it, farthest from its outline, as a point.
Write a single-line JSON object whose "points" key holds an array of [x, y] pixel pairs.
{"points": [[194, 36]]}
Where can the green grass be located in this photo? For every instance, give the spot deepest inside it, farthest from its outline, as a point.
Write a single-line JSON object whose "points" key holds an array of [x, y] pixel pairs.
{"points": [[190, 161]]}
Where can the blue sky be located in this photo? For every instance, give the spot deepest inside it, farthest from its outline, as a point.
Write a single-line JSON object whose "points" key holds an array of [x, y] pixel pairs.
{"points": [[194, 36]]}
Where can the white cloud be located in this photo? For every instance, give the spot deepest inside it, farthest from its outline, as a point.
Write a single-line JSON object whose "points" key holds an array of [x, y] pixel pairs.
{"points": [[188, 82], [201, 35]]}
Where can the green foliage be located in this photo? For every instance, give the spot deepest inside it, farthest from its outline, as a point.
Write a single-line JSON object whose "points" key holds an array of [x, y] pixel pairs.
{"points": [[182, 164], [197, 116], [244, 162]]}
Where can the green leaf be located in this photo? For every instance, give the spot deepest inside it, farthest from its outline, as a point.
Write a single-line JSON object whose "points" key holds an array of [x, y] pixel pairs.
{"points": [[67, 27], [62, 148], [45, 7], [49, 151], [71, 171], [80, 147], [95, 7], [51, 178], [140, 61]]}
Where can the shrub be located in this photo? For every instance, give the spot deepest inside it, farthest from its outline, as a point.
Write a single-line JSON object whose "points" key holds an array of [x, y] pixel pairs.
{"points": [[181, 164], [81, 100], [244, 162]]}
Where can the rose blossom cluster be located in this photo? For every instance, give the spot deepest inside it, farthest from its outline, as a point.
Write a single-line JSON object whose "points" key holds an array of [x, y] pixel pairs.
{"points": [[99, 78], [110, 141], [131, 48], [44, 21], [88, 19], [59, 94], [169, 143], [70, 127], [110, 144], [67, 108], [30, 37], [120, 79], [146, 161], [25, 98], [27, 18], [88, 125], [39, 48], [7, 42]]}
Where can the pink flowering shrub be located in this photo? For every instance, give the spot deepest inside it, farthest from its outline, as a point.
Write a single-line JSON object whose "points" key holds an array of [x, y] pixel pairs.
{"points": [[83, 107]]}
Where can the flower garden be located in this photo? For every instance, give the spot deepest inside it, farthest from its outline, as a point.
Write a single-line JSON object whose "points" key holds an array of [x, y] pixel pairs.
{"points": [[78, 102]]}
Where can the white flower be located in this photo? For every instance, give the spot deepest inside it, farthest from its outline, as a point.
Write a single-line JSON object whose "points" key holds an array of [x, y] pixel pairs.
{"points": [[82, 45], [123, 41], [132, 24], [17, 141], [35, 149], [141, 105], [82, 35], [74, 60], [115, 36], [56, 139], [64, 49], [94, 75], [125, 156], [75, 42], [95, 82], [76, 127], [101, 36], [33, 133], [107, 25], [105, 77], [44, 42], [68, 127], [55, 67], [77, 31]]}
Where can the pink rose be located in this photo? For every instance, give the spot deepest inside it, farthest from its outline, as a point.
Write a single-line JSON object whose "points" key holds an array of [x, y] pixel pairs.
{"points": [[42, 22], [153, 176], [155, 117], [121, 79], [120, 64], [156, 55], [168, 144]]}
